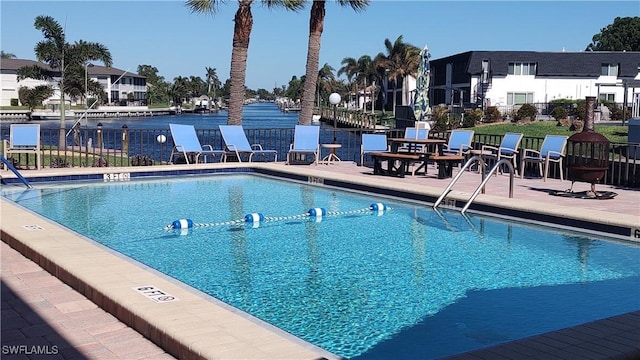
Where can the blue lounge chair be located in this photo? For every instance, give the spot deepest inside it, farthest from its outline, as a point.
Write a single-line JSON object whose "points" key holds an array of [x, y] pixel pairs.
{"points": [[186, 142], [552, 150], [459, 142], [508, 149], [306, 140], [413, 133], [237, 144], [372, 143], [24, 139]]}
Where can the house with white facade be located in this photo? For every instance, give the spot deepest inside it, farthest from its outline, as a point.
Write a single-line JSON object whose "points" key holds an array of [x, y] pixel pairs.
{"points": [[511, 78], [122, 87]]}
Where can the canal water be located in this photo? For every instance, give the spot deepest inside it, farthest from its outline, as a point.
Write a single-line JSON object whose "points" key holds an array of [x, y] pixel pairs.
{"points": [[258, 115]]}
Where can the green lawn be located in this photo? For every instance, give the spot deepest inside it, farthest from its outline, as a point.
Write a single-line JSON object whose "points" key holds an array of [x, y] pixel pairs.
{"points": [[615, 133]]}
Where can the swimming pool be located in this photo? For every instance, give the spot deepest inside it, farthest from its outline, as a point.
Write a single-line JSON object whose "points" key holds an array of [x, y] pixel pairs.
{"points": [[406, 283]]}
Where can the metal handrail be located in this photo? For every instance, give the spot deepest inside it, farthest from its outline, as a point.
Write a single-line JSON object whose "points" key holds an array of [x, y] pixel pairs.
{"points": [[446, 191], [486, 179]]}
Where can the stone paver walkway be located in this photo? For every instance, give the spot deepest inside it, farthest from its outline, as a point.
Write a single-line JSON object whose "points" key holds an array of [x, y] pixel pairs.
{"points": [[43, 318]]}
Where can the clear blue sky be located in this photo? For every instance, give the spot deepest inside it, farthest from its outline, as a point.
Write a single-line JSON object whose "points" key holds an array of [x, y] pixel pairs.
{"points": [[165, 34]]}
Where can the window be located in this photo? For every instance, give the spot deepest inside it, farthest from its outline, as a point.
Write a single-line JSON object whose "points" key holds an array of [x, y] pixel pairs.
{"points": [[608, 97], [609, 70], [522, 69], [519, 98]]}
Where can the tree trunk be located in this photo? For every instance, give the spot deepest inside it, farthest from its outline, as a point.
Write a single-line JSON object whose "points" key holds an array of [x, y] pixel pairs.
{"points": [[62, 136], [241, 35], [395, 87], [373, 96], [316, 23]]}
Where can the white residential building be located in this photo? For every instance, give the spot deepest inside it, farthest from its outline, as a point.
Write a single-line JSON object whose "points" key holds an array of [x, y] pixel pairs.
{"points": [[508, 78], [117, 84]]}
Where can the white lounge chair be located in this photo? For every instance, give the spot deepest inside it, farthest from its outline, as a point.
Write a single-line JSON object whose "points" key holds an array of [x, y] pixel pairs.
{"points": [[306, 140], [186, 143], [237, 144], [24, 139]]}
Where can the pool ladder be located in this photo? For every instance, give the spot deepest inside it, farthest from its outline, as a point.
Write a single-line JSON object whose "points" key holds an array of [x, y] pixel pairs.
{"points": [[10, 166], [485, 179]]}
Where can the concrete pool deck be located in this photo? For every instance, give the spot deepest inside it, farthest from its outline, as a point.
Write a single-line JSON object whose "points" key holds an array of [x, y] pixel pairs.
{"points": [[196, 325]]}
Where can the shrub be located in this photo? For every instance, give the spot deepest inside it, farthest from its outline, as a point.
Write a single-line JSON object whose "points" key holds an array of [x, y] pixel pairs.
{"points": [[566, 122], [580, 110], [526, 112], [141, 160], [471, 117], [100, 162], [615, 112], [58, 162], [440, 116], [492, 114], [576, 125], [14, 102], [559, 113]]}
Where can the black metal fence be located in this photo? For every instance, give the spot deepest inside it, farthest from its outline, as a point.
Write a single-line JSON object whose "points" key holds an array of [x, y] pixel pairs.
{"points": [[140, 147]]}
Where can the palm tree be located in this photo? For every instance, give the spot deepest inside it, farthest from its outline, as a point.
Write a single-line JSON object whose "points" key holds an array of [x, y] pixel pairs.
{"points": [[316, 25], [34, 97], [325, 76], [179, 90], [241, 35], [350, 70], [213, 82], [367, 74], [402, 59], [64, 60], [4, 55]]}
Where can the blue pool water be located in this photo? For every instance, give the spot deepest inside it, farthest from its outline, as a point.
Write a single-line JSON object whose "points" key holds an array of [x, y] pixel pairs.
{"points": [[407, 283]]}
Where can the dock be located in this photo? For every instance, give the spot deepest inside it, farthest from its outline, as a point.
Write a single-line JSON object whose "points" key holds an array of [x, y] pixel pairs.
{"points": [[104, 112]]}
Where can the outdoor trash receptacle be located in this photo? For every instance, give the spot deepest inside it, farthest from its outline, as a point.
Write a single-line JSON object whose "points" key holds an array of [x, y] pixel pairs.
{"points": [[634, 138]]}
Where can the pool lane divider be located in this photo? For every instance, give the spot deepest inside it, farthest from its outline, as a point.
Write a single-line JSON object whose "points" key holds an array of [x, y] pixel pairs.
{"points": [[255, 219]]}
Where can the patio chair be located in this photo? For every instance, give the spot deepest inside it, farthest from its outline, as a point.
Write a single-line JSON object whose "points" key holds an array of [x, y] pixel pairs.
{"points": [[24, 139], [306, 140], [413, 133], [186, 142], [237, 144], [552, 150], [459, 142], [372, 143], [508, 149]]}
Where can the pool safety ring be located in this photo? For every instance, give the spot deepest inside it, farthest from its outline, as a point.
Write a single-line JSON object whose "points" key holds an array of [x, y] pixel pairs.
{"points": [[255, 219]]}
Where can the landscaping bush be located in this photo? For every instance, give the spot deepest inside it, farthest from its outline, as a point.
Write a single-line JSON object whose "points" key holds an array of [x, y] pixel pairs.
{"points": [[492, 114], [58, 162], [526, 112], [559, 113], [14, 102], [615, 111], [100, 162], [440, 116], [580, 110], [471, 117], [141, 160], [576, 125]]}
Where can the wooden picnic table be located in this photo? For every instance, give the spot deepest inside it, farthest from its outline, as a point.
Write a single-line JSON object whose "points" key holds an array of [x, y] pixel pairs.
{"points": [[414, 153]]}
